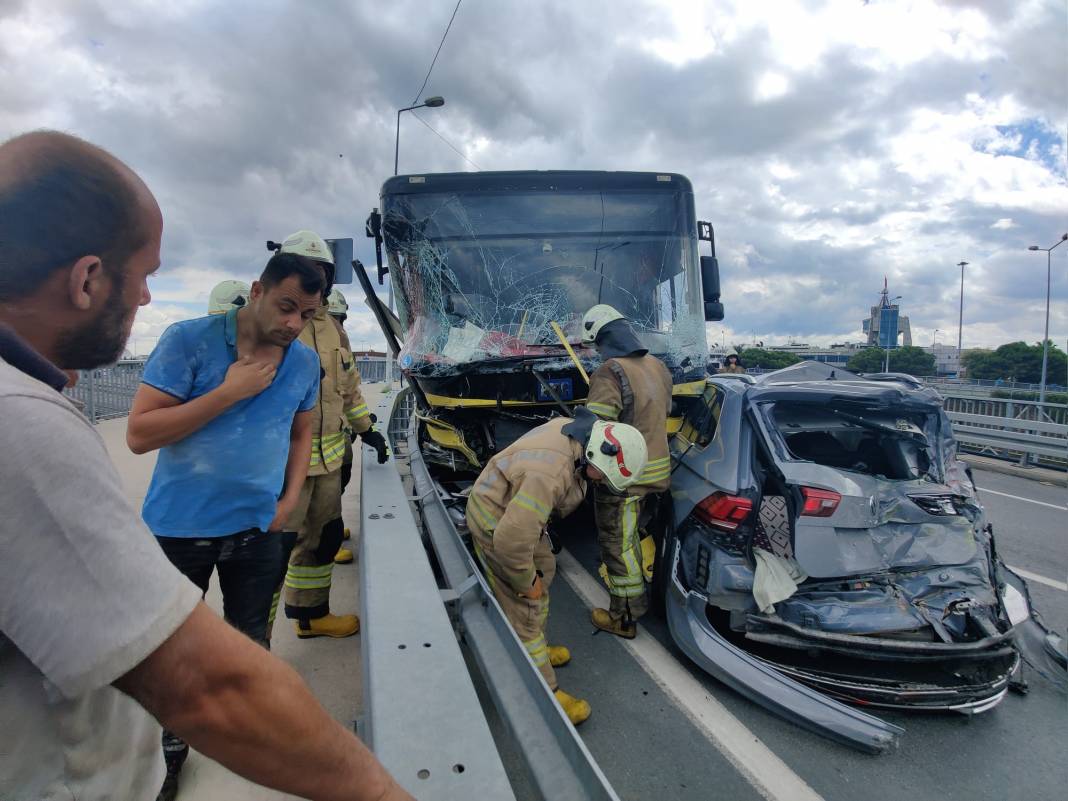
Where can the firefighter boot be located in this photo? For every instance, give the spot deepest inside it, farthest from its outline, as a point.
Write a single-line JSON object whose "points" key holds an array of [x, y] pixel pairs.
{"points": [[605, 621], [343, 556], [559, 655], [328, 626], [577, 710], [347, 535]]}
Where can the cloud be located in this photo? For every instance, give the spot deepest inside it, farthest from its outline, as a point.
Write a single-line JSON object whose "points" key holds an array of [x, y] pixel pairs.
{"points": [[830, 143]]}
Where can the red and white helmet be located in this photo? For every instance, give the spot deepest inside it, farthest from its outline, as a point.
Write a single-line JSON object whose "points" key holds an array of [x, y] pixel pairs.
{"points": [[619, 451]]}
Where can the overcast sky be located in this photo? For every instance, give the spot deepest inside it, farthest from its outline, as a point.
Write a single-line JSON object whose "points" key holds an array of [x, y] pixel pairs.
{"points": [[829, 143]]}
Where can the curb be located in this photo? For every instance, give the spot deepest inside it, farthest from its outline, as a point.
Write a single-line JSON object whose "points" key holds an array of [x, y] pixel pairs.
{"points": [[1009, 469]]}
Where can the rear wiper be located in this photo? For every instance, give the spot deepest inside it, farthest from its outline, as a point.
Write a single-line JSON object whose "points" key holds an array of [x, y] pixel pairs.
{"points": [[865, 423]]}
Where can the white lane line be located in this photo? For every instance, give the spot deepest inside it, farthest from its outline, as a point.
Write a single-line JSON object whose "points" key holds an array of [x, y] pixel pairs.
{"points": [[1027, 574], [771, 777], [1020, 498]]}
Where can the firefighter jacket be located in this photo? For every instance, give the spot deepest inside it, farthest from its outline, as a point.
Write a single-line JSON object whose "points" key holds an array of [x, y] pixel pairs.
{"points": [[537, 476], [737, 368], [340, 406], [637, 390]]}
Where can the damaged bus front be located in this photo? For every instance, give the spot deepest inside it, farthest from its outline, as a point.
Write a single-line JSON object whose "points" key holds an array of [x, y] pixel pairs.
{"points": [[493, 272]]}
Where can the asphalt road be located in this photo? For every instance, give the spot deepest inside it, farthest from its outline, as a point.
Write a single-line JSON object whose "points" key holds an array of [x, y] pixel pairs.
{"points": [[651, 747]]}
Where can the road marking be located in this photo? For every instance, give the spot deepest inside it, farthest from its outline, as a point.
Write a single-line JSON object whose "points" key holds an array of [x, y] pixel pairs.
{"points": [[1020, 498], [1027, 574], [760, 766]]}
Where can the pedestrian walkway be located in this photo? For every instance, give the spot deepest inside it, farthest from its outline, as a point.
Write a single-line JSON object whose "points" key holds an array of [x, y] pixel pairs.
{"points": [[330, 667]]}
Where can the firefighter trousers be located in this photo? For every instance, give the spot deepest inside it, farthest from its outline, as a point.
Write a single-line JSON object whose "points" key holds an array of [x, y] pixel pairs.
{"points": [[618, 534], [527, 616], [317, 521]]}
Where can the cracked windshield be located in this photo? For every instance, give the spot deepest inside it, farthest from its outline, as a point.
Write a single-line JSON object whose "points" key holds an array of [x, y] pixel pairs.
{"points": [[483, 276]]}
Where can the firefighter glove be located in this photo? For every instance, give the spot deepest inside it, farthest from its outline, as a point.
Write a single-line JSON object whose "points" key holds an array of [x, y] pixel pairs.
{"points": [[376, 441]]}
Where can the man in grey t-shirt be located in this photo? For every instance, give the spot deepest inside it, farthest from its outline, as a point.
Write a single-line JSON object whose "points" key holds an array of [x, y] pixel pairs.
{"points": [[99, 634]]}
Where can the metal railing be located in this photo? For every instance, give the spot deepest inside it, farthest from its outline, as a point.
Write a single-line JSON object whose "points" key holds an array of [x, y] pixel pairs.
{"points": [[107, 392], [440, 716], [1032, 432]]}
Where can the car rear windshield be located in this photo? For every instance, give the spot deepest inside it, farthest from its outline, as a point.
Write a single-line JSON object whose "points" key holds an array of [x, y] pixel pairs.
{"points": [[875, 442]]}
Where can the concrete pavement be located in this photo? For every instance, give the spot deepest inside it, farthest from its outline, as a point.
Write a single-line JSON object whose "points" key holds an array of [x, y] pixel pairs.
{"points": [[330, 667]]}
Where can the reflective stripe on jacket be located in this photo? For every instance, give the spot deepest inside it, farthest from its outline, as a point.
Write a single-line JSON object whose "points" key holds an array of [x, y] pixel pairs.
{"points": [[637, 390], [340, 406], [531, 480]]}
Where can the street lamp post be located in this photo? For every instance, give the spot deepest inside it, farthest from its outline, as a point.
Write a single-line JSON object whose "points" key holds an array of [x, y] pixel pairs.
{"points": [[430, 102], [1045, 336], [960, 324]]}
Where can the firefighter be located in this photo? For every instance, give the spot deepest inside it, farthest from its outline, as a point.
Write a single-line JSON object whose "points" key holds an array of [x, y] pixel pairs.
{"points": [[316, 522], [540, 475], [338, 308], [635, 388], [227, 295]]}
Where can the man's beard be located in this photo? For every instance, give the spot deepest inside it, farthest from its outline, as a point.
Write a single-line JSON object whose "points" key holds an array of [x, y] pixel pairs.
{"points": [[98, 342]]}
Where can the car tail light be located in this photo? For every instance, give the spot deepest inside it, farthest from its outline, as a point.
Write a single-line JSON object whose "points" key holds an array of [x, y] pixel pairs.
{"points": [[819, 502], [723, 510]]}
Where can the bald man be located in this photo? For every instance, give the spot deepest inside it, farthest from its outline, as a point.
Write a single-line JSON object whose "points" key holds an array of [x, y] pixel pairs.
{"points": [[99, 634]]}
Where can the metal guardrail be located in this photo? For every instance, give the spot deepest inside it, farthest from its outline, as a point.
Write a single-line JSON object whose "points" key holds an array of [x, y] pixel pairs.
{"points": [[1003, 427], [555, 761], [421, 713]]}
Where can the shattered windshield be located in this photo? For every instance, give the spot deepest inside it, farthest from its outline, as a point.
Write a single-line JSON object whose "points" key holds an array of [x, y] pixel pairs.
{"points": [[483, 275]]}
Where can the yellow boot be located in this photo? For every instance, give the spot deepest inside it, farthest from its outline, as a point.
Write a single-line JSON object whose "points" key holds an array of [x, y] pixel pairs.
{"points": [[343, 556], [559, 655], [577, 710], [604, 620], [328, 626], [347, 535]]}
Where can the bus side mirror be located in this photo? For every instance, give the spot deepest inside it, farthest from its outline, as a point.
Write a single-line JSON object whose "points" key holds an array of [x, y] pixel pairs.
{"points": [[374, 231], [710, 289]]}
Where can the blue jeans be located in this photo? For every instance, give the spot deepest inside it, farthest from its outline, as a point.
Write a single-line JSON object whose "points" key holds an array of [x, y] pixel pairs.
{"points": [[249, 564]]}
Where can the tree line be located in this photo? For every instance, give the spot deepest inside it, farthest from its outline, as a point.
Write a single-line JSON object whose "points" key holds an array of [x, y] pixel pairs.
{"points": [[1013, 362]]}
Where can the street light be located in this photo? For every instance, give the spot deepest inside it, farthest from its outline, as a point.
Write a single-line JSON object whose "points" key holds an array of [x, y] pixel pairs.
{"points": [[960, 324], [430, 102], [1045, 338]]}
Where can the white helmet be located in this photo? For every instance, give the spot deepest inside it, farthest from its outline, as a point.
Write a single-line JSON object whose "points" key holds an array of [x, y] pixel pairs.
{"points": [[618, 451], [597, 318], [338, 306], [227, 295], [310, 244]]}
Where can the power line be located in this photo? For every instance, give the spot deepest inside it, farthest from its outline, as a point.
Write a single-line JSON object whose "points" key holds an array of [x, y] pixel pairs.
{"points": [[435, 61], [446, 141]]}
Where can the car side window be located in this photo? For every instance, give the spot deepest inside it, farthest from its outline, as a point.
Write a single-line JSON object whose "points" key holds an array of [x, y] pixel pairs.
{"points": [[713, 405]]}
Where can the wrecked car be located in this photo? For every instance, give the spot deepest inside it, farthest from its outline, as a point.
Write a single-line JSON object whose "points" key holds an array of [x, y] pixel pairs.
{"points": [[827, 545]]}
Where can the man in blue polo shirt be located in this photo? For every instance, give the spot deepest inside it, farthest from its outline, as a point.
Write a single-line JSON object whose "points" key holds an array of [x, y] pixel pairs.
{"points": [[228, 400]]}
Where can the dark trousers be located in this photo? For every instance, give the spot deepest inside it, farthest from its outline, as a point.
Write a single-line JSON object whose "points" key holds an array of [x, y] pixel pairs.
{"points": [[248, 565]]}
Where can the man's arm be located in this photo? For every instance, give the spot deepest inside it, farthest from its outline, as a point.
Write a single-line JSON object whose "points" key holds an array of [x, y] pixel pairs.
{"points": [[300, 439], [158, 419], [236, 703]]}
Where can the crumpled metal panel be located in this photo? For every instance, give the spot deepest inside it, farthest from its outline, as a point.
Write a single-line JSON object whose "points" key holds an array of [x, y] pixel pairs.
{"points": [[763, 684]]}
